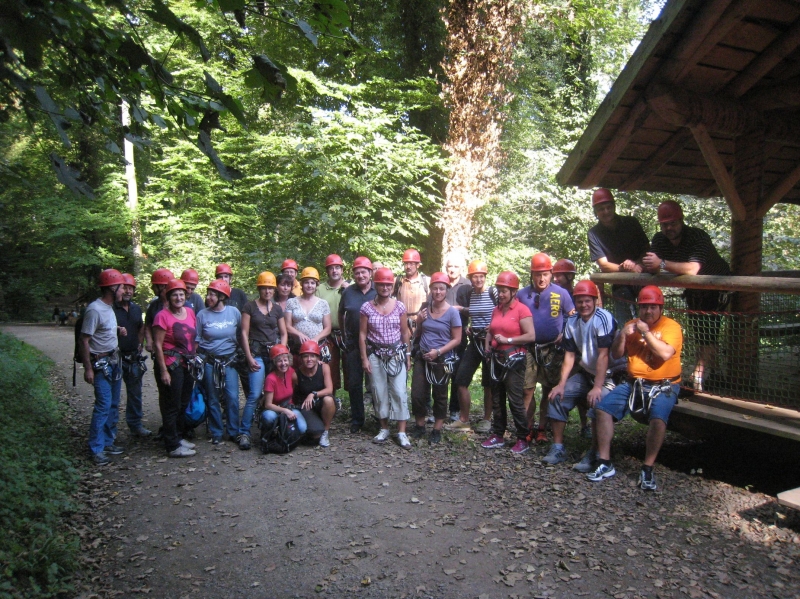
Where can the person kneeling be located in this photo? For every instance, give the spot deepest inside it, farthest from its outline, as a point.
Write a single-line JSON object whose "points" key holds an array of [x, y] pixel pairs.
{"points": [[279, 390], [653, 344], [313, 392]]}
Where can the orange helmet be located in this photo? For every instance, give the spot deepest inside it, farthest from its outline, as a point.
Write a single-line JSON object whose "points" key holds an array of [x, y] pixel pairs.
{"points": [[220, 286], [362, 262], [127, 279], [161, 276], [333, 260], [541, 262], [651, 295], [310, 347], [289, 263], [309, 272], [564, 265], [175, 284], [110, 277], [669, 211], [477, 267], [440, 277], [383, 275], [190, 276], [278, 350], [507, 279], [601, 196], [223, 269], [411, 255], [266, 279], [586, 288]]}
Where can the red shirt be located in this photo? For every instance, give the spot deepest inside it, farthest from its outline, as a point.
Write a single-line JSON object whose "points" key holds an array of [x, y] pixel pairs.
{"points": [[507, 325], [279, 385]]}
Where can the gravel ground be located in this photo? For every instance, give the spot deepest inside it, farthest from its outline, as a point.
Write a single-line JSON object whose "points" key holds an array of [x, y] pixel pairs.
{"points": [[452, 520]]}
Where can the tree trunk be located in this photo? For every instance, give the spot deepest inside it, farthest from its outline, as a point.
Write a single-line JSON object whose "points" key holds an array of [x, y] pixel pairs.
{"points": [[133, 194]]}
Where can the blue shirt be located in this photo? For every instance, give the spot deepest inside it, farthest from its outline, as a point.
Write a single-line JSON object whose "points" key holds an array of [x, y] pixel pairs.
{"points": [[217, 332], [554, 304]]}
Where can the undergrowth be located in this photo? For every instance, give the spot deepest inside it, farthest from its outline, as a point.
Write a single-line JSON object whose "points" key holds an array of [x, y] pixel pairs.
{"points": [[37, 480]]}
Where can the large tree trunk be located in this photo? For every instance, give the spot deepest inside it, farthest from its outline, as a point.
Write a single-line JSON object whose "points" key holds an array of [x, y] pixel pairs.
{"points": [[133, 194], [481, 35]]}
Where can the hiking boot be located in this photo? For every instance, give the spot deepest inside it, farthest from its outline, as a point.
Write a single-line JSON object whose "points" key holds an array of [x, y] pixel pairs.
{"points": [[114, 450], [324, 440], [141, 431], [417, 432], [182, 452], [100, 459], [556, 455], [483, 426], [355, 427], [647, 481], [586, 431], [520, 447], [493, 442], [187, 445], [244, 442], [602, 471], [541, 437], [402, 439], [586, 464], [381, 436], [435, 436], [458, 426]]}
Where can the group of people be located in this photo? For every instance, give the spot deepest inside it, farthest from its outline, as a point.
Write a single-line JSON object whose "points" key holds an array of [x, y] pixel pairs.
{"points": [[302, 339]]}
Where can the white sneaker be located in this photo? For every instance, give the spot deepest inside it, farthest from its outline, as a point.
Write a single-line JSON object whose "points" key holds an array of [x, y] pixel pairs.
{"points": [[402, 438], [182, 452], [187, 445], [324, 441], [381, 436]]}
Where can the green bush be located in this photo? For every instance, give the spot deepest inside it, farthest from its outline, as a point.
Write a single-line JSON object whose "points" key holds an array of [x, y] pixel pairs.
{"points": [[37, 479]]}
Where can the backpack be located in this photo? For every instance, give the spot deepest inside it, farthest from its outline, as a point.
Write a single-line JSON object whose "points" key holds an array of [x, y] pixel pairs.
{"points": [[76, 354], [196, 412], [279, 436]]}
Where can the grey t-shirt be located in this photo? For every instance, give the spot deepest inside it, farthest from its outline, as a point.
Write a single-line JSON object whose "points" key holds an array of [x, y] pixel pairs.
{"points": [[101, 323], [217, 332]]}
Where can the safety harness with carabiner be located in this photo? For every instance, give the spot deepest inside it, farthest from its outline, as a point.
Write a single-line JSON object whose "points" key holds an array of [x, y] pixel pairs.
{"points": [[501, 362], [444, 365], [392, 357], [640, 400]]}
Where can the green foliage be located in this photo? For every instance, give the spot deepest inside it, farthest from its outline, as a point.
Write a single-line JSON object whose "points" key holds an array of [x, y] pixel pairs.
{"points": [[37, 480]]}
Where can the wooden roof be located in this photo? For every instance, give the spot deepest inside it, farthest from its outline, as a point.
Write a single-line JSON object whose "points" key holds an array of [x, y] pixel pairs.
{"points": [[706, 72]]}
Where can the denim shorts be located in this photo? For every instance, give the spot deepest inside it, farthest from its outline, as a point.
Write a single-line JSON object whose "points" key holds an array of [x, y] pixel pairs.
{"points": [[575, 391], [616, 402]]}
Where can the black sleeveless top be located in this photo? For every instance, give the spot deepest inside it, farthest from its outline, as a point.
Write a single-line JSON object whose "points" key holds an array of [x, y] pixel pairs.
{"points": [[308, 384]]}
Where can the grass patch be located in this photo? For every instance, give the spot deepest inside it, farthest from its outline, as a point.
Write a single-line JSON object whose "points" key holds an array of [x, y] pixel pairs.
{"points": [[37, 479]]}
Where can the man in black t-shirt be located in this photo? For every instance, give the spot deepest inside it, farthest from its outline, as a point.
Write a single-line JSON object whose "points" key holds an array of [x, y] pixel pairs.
{"points": [[617, 244], [129, 317]]}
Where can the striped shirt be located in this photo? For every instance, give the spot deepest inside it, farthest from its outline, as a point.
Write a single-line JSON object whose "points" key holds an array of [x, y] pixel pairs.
{"points": [[695, 246], [383, 329], [586, 338], [481, 307]]}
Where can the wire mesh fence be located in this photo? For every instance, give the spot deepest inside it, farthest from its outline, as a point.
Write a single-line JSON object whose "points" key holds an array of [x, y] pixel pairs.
{"points": [[749, 356]]}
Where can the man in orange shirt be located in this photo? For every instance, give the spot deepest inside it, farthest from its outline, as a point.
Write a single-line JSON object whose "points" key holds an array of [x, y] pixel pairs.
{"points": [[653, 344]]}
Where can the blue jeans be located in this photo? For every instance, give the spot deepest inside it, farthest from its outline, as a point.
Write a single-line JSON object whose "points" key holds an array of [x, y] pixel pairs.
{"points": [[103, 428], [575, 392], [616, 402], [231, 393], [256, 389], [132, 376], [268, 416]]}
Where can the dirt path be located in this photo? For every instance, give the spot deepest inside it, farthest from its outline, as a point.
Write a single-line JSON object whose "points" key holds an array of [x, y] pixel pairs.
{"points": [[375, 521]]}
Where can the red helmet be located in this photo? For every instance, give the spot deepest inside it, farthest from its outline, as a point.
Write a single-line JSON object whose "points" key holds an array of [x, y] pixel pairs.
{"points": [[161, 276], [564, 265], [651, 295], [507, 279], [362, 262], [440, 277], [220, 286], [289, 263], [128, 279], [669, 211], [175, 284], [585, 288], [333, 260], [601, 196], [411, 255], [190, 276], [110, 277], [223, 269], [477, 267], [310, 347], [278, 350], [383, 275], [541, 262]]}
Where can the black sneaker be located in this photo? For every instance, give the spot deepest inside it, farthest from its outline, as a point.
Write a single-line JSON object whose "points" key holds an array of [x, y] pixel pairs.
{"points": [[647, 481], [435, 437], [141, 431], [216, 440], [244, 442], [100, 459], [114, 450], [355, 427], [417, 432]]}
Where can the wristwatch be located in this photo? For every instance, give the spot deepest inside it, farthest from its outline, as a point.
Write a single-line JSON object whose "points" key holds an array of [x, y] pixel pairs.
{"points": [[314, 393], [510, 340], [663, 265]]}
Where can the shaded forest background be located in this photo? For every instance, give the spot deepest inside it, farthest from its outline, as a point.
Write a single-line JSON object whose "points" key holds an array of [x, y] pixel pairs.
{"points": [[349, 154]]}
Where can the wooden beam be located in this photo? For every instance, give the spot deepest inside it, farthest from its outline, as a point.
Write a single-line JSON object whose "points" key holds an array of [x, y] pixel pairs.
{"points": [[723, 416], [779, 49], [784, 96], [778, 191], [636, 116], [731, 283], [659, 158], [790, 498], [721, 174]]}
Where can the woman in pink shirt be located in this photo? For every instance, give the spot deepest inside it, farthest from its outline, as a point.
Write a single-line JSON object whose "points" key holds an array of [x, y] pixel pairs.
{"points": [[510, 330], [278, 389]]}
